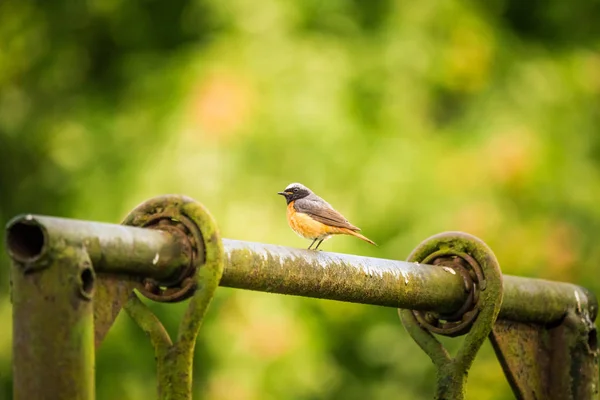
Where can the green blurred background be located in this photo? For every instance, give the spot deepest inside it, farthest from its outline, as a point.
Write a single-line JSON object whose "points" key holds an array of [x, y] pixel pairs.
{"points": [[411, 118]]}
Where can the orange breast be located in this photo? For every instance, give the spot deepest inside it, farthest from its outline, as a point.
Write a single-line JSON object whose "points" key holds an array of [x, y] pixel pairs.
{"points": [[307, 227]]}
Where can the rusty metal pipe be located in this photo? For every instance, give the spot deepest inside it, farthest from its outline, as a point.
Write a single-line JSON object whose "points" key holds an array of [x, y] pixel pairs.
{"points": [[277, 269], [112, 248], [544, 302], [391, 283]]}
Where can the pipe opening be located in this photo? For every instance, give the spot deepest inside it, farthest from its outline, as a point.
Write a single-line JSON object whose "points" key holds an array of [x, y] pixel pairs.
{"points": [[25, 240], [87, 282]]}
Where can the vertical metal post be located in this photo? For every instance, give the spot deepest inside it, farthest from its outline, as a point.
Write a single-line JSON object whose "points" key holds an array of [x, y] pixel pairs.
{"points": [[545, 336], [53, 331], [541, 362], [574, 363]]}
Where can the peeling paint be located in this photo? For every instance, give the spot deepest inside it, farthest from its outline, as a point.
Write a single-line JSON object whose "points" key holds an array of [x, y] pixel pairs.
{"points": [[448, 269], [405, 277]]}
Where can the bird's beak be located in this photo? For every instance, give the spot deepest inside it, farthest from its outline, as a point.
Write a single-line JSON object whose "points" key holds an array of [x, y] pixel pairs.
{"points": [[282, 193]]}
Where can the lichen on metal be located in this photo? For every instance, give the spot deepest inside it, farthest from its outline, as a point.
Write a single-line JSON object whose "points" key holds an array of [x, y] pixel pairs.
{"points": [[343, 277], [552, 353], [112, 248], [112, 292], [549, 362], [53, 331], [575, 358], [451, 285], [174, 359], [120, 256], [150, 325], [390, 283], [522, 350], [544, 302], [452, 371]]}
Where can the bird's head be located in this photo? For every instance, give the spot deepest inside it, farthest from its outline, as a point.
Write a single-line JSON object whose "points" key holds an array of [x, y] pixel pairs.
{"points": [[295, 191]]}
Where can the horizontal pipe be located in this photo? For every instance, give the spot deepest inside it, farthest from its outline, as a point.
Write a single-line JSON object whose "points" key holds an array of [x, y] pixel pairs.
{"points": [[284, 270], [391, 283], [112, 248], [263, 267], [544, 302]]}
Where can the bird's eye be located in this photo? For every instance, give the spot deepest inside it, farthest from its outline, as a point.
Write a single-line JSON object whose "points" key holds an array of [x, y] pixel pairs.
{"points": [[294, 190]]}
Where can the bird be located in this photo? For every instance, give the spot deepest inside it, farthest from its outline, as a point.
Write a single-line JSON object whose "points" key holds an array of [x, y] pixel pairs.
{"points": [[313, 218]]}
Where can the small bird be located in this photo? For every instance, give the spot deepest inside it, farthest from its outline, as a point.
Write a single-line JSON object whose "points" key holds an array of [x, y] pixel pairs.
{"points": [[313, 218]]}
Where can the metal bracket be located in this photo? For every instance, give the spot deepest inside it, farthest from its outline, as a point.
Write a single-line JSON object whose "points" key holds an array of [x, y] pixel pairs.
{"points": [[175, 360], [459, 249], [64, 271], [165, 213], [459, 322]]}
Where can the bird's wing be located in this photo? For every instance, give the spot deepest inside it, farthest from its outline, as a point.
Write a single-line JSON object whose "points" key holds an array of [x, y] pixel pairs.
{"points": [[321, 211]]}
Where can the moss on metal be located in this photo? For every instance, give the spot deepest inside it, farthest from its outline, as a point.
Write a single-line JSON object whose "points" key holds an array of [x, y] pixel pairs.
{"points": [[524, 352], [150, 324], [112, 292], [343, 277], [120, 256], [278, 269], [544, 302], [558, 362], [112, 248], [53, 332], [174, 361], [452, 371], [51, 254], [575, 358]]}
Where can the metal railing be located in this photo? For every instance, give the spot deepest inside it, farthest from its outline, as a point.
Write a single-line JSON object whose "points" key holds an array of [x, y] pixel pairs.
{"points": [[71, 278]]}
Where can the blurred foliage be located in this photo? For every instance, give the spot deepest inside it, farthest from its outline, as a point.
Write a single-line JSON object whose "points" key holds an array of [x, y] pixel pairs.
{"points": [[411, 118]]}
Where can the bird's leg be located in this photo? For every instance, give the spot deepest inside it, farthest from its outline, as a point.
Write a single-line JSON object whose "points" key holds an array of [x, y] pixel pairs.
{"points": [[313, 242], [318, 244]]}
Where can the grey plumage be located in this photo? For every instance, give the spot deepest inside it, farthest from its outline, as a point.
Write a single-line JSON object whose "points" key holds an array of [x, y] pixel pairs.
{"points": [[305, 203], [309, 203]]}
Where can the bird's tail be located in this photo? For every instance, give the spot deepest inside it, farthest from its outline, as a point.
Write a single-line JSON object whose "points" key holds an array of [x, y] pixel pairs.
{"points": [[358, 235]]}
